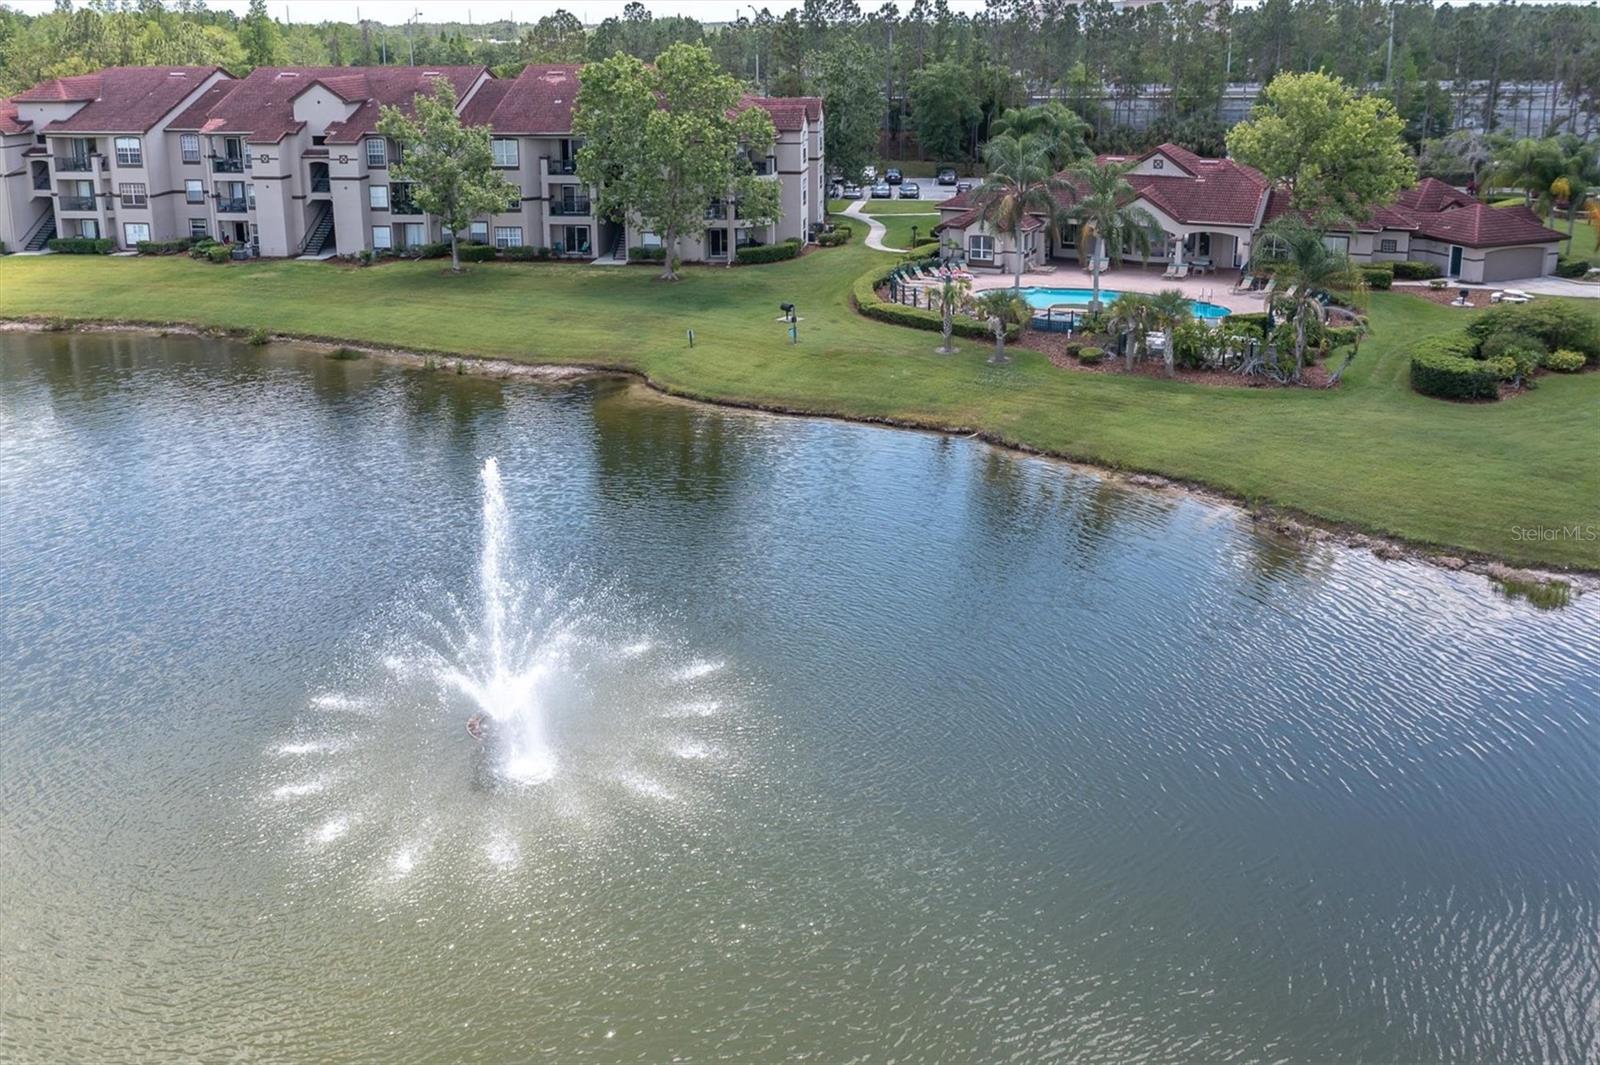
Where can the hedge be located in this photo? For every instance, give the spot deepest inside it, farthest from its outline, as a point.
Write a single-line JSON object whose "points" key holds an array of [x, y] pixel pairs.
{"points": [[1255, 318], [477, 253], [438, 249], [163, 247], [1091, 355], [526, 252], [1569, 268], [82, 245], [836, 236], [752, 254], [1557, 325], [1412, 270], [1444, 367], [1379, 279], [869, 303], [929, 250], [657, 254]]}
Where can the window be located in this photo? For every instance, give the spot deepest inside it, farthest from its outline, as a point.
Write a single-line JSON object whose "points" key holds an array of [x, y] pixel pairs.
{"points": [[250, 195], [198, 228], [381, 238], [319, 140], [649, 240], [133, 194], [980, 247], [507, 236], [88, 227], [377, 152], [411, 234], [378, 197], [1336, 243], [130, 152], [189, 145], [505, 151], [194, 191], [478, 233], [1388, 245], [134, 232]]}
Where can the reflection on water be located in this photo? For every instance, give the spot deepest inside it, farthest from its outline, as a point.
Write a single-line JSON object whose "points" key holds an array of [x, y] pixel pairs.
{"points": [[857, 744]]}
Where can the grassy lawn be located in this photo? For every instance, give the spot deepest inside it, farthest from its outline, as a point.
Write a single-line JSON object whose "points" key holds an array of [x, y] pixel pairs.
{"points": [[1371, 453]]}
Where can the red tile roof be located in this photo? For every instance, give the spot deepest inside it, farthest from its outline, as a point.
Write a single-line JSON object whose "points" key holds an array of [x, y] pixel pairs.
{"points": [[1431, 194], [261, 106], [1477, 225], [9, 122], [117, 99], [789, 113], [538, 100]]}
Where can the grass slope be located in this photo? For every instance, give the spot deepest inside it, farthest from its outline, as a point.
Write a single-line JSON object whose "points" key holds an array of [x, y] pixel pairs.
{"points": [[1371, 453]]}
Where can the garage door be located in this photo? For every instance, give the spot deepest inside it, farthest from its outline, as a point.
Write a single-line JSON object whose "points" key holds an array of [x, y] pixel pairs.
{"points": [[1509, 264]]}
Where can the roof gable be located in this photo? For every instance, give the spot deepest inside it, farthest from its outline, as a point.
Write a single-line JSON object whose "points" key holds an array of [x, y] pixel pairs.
{"points": [[119, 99]]}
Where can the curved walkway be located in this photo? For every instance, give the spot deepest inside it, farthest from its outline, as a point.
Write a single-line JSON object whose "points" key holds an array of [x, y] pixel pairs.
{"points": [[875, 228]]}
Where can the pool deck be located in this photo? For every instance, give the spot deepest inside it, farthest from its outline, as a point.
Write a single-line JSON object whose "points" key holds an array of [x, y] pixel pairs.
{"points": [[1211, 288]]}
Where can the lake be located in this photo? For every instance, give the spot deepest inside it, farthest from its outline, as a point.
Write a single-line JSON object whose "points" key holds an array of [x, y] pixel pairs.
{"points": [[805, 739]]}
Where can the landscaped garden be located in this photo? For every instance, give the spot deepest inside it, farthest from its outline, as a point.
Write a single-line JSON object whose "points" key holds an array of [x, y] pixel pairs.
{"points": [[1372, 452]]}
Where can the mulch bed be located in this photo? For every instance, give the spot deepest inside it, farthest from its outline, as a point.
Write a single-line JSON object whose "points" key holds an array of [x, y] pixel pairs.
{"points": [[1054, 347], [1478, 297]]}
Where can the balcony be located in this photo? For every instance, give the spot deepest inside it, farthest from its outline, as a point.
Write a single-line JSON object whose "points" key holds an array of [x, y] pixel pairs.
{"points": [[74, 164], [77, 203], [716, 212], [404, 205], [560, 166], [232, 206], [221, 164], [571, 208], [765, 167]]}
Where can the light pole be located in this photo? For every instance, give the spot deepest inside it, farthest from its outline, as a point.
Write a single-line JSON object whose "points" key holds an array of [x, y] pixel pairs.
{"points": [[757, 38]]}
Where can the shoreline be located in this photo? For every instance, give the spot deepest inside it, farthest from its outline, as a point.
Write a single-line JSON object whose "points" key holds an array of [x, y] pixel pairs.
{"points": [[1286, 522]]}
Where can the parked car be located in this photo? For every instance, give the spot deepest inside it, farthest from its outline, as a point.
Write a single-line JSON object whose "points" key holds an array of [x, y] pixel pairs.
{"points": [[882, 191], [963, 186], [910, 190], [893, 175], [947, 175], [869, 173], [850, 191]]}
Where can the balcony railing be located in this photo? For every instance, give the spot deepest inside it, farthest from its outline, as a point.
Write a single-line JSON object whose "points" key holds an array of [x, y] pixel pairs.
{"points": [[571, 208], [232, 206], [404, 205], [561, 166], [769, 165], [77, 203], [221, 164], [73, 164], [716, 211]]}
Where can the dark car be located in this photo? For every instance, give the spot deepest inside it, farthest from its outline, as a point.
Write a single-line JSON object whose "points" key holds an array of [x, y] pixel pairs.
{"points": [[910, 190], [893, 175], [963, 186], [882, 191], [947, 175]]}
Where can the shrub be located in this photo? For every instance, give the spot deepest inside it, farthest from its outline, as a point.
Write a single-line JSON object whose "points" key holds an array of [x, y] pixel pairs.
{"points": [[835, 237], [1091, 355], [1193, 346], [258, 338], [1524, 350], [752, 254], [929, 250], [869, 303], [82, 245], [1338, 336], [201, 248], [439, 249], [657, 254], [1444, 367], [1557, 325], [2, 247], [218, 253], [1568, 267], [1412, 270], [477, 253], [1255, 318], [163, 247], [1564, 360], [1379, 280], [520, 252]]}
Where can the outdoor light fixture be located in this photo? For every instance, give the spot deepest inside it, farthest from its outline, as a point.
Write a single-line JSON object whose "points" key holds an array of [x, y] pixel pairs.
{"points": [[788, 311]]}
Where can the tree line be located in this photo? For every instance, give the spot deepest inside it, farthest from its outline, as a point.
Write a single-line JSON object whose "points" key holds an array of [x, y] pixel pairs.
{"points": [[922, 70]]}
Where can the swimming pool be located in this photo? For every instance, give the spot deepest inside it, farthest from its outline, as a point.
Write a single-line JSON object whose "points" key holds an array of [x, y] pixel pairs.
{"points": [[1080, 297]]}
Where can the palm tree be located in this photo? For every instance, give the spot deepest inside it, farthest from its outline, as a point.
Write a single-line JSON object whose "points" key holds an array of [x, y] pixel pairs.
{"points": [[1107, 223], [1130, 313], [1063, 131], [951, 293], [1530, 165], [1021, 185], [1168, 308], [1307, 270], [1003, 308]]}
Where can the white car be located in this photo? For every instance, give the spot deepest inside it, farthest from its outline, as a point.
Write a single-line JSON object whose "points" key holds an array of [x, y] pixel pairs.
{"points": [[869, 175]]}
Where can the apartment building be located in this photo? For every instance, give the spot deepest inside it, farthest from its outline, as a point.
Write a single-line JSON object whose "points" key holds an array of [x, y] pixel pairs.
{"points": [[90, 155], [287, 161]]}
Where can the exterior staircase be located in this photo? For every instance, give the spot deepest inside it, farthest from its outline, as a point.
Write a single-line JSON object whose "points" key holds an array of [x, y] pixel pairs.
{"points": [[320, 235], [43, 235]]}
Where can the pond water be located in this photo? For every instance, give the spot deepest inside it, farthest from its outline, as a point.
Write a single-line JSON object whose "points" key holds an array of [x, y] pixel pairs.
{"points": [[804, 739]]}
